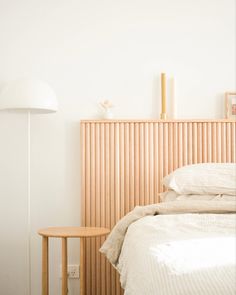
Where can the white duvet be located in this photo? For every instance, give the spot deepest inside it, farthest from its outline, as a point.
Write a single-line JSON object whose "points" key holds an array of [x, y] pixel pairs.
{"points": [[176, 254]]}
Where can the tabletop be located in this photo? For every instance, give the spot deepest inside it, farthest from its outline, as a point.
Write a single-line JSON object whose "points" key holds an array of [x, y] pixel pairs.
{"points": [[73, 232]]}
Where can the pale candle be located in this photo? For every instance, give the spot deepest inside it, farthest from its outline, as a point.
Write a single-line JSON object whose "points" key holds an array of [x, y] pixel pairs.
{"points": [[163, 93]]}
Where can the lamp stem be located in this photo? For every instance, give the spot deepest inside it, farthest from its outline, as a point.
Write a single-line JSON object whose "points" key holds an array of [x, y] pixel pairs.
{"points": [[29, 204]]}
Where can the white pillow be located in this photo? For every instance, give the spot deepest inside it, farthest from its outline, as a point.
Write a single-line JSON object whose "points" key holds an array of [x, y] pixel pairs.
{"points": [[208, 178], [170, 196]]}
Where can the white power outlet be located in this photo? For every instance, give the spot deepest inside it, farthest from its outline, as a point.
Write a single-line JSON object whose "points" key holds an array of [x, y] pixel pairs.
{"points": [[73, 271]]}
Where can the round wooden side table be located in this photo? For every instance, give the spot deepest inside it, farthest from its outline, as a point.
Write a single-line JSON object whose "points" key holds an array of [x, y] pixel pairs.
{"points": [[64, 233]]}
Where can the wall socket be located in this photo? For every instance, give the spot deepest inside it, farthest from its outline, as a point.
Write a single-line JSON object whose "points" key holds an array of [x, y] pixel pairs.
{"points": [[73, 271]]}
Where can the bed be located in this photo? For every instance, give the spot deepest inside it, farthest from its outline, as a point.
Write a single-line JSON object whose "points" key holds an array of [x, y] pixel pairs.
{"points": [[186, 244], [196, 257], [123, 164]]}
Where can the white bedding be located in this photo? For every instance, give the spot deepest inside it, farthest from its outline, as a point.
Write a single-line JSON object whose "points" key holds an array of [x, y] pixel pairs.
{"points": [[180, 254], [176, 254]]}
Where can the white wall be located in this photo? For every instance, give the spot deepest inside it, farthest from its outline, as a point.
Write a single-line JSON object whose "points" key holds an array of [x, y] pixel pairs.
{"points": [[89, 50]]}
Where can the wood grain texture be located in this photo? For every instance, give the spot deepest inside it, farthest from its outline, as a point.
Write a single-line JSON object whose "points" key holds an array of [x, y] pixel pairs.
{"points": [[82, 264], [64, 283], [123, 164], [45, 267], [72, 232]]}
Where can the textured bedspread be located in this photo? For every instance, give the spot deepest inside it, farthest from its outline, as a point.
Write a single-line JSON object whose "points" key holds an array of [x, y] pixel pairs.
{"points": [[180, 254], [175, 254]]}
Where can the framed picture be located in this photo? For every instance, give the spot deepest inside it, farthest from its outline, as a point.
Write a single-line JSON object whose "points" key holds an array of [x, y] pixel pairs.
{"points": [[230, 105]]}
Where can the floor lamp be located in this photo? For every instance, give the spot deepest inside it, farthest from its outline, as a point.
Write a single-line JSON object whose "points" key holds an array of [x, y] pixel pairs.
{"points": [[31, 96]]}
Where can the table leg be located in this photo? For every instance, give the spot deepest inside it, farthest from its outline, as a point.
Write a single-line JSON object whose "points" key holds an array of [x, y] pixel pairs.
{"points": [[64, 267], [82, 282], [45, 266]]}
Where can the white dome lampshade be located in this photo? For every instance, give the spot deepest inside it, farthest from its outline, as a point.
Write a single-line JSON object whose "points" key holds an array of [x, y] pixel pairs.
{"points": [[30, 95]]}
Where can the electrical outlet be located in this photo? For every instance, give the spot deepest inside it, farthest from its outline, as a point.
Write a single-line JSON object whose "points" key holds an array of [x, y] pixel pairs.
{"points": [[73, 271]]}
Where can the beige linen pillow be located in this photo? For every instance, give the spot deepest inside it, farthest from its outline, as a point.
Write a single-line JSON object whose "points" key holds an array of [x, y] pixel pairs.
{"points": [[207, 178]]}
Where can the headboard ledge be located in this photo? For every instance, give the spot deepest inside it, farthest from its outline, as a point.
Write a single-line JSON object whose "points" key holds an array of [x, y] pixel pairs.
{"points": [[157, 121]]}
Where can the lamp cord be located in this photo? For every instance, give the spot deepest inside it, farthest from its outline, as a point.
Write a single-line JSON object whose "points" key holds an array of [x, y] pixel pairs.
{"points": [[29, 206]]}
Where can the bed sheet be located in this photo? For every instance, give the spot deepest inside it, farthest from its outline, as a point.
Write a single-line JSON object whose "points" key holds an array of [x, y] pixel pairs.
{"points": [[179, 254]]}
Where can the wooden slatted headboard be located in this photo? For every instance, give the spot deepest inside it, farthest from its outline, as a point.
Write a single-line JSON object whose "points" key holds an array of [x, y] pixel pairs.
{"points": [[123, 163]]}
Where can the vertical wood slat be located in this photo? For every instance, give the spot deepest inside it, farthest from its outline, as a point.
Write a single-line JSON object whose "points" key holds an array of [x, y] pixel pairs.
{"points": [[122, 170], [204, 142], [185, 144], [93, 253], [123, 164], [214, 149], [131, 165], [209, 142], [97, 204], [141, 165], [180, 146], [223, 142], [151, 168], [87, 204], [156, 171], [107, 198], [218, 142], [233, 142], [175, 146], [112, 194], [165, 148], [146, 163], [228, 147], [199, 143], [117, 191], [190, 144], [126, 164], [194, 140], [160, 156], [102, 284], [136, 161]]}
